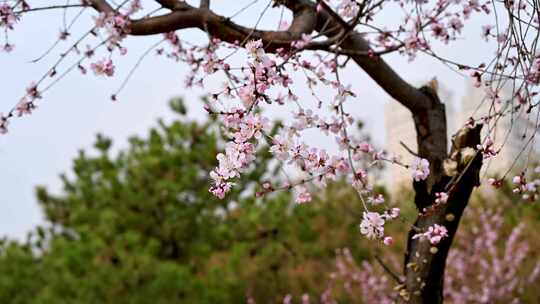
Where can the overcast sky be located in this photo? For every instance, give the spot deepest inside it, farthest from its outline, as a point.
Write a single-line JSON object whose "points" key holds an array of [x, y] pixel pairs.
{"points": [[41, 146]]}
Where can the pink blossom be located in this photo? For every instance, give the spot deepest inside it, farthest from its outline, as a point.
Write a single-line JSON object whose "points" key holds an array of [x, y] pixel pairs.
{"points": [[434, 234], [281, 146], [441, 197], [376, 199], [116, 25], [25, 106], [486, 31], [420, 169], [287, 299], [239, 154], [283, 25], [372, 225], [302, 195], [394, 213], [303, 42], [479, 260], [456, 24], [476, 266], [247, 95], [220, 189], [103, 67], [487, 149], [365, 147], [32, 91], [7, 16], [254, 48], [348, 8]]}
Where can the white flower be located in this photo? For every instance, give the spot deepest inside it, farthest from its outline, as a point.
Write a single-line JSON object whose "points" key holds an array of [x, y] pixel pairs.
{"points": [[376, 199], [530, 187], [394, 213], [348, 8], [420, 169], [302, 195], [281, 146], [441, 197], [254, 48], [372, 225]]}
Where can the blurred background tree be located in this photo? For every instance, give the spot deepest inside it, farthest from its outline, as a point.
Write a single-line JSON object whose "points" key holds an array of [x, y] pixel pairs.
{"points": [[141, 226]]}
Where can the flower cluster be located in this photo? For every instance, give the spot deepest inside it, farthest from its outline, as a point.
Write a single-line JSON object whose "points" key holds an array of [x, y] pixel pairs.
{"points": [[434, 234], [360, 280], [477, 264], [27, 104], [263, 73], [239, 153], [116, 25], [264, 80]]}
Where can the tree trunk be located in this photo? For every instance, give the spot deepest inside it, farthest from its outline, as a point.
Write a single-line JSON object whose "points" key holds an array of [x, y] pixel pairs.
{"points": [[456, 174]]}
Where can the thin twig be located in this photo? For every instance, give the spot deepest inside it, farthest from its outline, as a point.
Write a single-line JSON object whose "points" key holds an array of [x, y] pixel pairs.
{"points": [[388, 270]]}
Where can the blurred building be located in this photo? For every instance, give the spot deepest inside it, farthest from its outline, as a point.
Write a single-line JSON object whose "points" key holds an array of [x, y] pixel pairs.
{"points": [[511, 134], [399, 126]]}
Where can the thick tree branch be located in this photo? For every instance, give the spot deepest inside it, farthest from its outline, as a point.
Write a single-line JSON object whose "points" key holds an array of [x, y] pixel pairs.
{"points": [[171, 4], [223, 28], [102, 6], [204, 4], [185, 16]]}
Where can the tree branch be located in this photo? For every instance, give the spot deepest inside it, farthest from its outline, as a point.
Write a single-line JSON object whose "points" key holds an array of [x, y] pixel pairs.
{"points": [[171, 4], [221, 27], [205, 4], [102, 6], [388, 270]]}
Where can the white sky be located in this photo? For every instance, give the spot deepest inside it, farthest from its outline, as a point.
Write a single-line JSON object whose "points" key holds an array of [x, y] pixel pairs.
{"points": [[41, 146]]}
